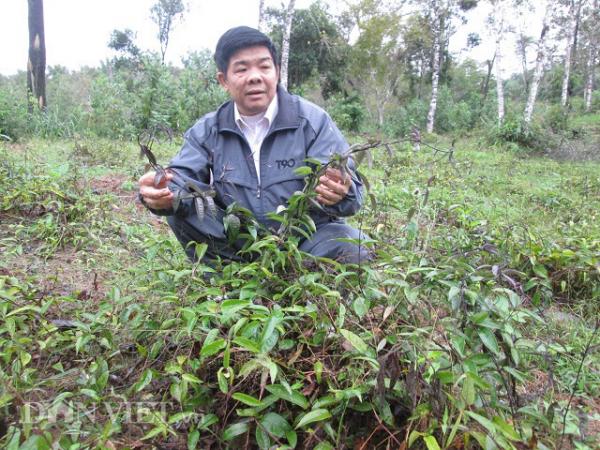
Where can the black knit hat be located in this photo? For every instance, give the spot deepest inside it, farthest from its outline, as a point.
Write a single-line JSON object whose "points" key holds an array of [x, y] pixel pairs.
{"points": [[238, 38]]}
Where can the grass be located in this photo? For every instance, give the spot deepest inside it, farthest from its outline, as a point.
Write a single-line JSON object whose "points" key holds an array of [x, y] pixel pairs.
{"points": [[467, 331]]}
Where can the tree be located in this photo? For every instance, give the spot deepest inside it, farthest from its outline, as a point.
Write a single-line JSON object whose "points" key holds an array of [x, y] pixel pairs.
{"points": [[593, 38], [164, 13], [498, 27], [261, 16], [437, 29], [441, 13], [539, 65], [376, 63], [319, 46], [415, 51], [123, 42], [36, 64], [573, 15], [285, 45]]}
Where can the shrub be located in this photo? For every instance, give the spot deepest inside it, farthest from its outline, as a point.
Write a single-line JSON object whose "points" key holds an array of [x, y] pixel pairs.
{"points": [[112, 108], [347, 111], [400, 121], [515, 131], [198, 90], [556, 118], [13, 112]]}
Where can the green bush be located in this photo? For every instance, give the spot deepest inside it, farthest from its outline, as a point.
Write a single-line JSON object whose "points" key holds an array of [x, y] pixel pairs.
{"points": [[401, 120], [347, 111], [112, 108], [556, 118], [13, 112], [451, 115], [515, 131], [198, 90]]}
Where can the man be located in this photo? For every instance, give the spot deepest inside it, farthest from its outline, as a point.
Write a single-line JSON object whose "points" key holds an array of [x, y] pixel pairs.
{"points": [[247, 152]]}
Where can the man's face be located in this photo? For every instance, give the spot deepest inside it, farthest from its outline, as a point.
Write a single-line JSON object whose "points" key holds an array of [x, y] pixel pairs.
{"points": [[251, 79]]}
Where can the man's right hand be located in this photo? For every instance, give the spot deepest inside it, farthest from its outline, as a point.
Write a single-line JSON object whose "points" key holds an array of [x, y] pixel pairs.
{"points": [[156, 197]]}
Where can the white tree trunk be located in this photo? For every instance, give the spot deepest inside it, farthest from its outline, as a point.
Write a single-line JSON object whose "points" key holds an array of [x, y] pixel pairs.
{"points": [[589, 82], [590, 65], [261, 15], [435, 76], [539, 67], [285, 46], [568, 52], [499, 16]]}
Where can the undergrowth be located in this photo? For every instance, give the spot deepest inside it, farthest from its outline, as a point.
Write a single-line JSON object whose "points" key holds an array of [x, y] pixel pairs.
{"points": [[474, 327]]}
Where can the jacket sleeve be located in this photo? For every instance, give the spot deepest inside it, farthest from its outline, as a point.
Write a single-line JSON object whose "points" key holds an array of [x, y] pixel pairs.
{"points": [[329, 140]]}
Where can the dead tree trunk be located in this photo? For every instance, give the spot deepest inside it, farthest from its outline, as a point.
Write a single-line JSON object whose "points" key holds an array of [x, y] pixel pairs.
{"points": [[36, 64], [539, 67], [285, 46]]}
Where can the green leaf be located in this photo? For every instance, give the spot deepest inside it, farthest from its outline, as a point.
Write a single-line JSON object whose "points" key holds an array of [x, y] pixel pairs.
{"points": [[193, 439], [292, 438], [506, 429], [213, 348], [155, 432], [295, 397], [229, 307], [247, 399], [247, 344], [414, 435], [318, 368], [266, 341], [486, 423], [13, 444], [275, 424], [324, 445], [35, 442], [303, 171], [316, 415], [540, 271], [191, 378], [223, 381], [144, 380], [468, 391], [234, 430], [489, 340], [360, 307], [431, 443], [90, 393], [356, 341], [262, 438], [207, 421], [184, 415]]}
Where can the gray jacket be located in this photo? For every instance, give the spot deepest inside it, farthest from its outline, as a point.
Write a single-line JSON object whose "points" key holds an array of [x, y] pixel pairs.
{"points": [[215, 149]]}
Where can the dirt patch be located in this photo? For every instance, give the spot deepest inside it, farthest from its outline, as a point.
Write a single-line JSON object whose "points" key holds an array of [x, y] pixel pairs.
{"points": [[65, 274], [111, 183]]}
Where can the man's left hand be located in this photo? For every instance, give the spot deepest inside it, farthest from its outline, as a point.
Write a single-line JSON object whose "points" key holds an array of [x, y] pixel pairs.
{"points": [[332, 187]]}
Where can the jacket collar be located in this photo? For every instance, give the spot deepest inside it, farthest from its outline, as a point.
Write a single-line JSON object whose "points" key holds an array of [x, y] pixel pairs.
{"points": [[287, 116]]}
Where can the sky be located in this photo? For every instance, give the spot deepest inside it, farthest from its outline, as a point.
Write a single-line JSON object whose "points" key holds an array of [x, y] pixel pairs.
{"points": [[77, 31]]}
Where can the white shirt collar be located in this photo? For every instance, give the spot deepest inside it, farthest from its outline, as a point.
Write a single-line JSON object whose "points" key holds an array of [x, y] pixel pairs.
{"points": [[269, 114]]}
